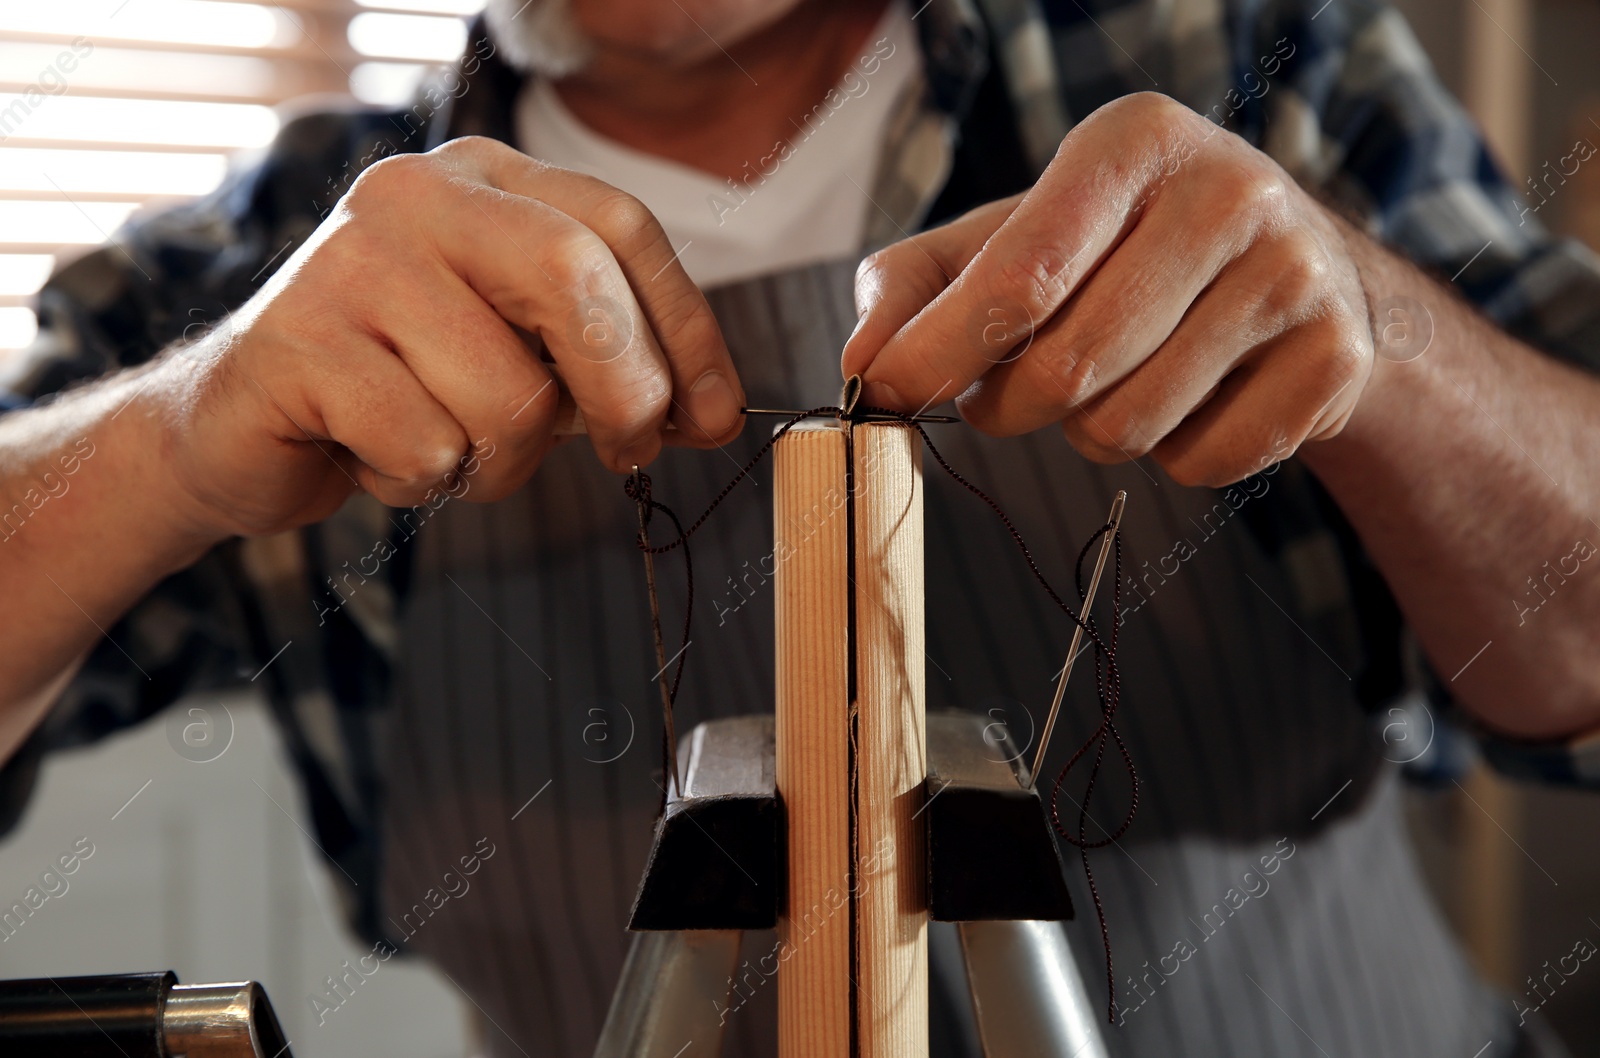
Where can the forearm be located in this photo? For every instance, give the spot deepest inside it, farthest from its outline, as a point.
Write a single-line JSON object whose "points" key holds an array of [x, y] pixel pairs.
{"points": [[89, 522], [1469, 474]]}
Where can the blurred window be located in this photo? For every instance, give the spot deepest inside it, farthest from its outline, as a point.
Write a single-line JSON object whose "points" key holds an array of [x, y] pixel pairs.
{"points": [[110, 105]]}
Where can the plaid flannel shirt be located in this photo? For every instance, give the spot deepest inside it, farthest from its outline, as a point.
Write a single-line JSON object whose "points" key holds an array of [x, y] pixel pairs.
{"points": [[1339, 93]]}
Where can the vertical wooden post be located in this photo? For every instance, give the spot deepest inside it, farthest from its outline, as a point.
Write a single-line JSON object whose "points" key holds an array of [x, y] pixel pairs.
{"points": [[890, 756], [853, 966], [812, 555]]}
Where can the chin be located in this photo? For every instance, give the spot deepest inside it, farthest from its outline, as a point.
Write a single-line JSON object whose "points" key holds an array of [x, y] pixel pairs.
{"points": [[558, 37]]}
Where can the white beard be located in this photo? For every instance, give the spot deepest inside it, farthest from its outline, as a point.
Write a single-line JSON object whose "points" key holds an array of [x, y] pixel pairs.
{"points": [[544, 38]]}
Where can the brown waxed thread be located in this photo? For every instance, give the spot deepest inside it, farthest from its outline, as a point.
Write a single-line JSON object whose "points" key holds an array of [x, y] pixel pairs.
{"points": [[1108, 677], [637, 488]]}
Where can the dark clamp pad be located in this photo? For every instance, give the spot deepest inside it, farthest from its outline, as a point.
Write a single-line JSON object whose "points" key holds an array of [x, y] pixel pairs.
{"points": [[717, 861]]}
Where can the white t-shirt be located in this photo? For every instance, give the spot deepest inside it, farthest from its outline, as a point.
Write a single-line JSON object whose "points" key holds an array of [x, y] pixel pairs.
{"points": [[799, 202]]}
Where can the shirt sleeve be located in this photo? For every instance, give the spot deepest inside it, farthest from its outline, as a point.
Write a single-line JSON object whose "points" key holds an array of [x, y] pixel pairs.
{"points": [[166, 277], [1572, 763], [1360, 115], [1356, 111], [101, 313]]}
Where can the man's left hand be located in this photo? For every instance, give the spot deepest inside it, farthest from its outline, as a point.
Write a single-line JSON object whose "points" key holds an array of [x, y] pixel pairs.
{"points": [[1164, 288]]}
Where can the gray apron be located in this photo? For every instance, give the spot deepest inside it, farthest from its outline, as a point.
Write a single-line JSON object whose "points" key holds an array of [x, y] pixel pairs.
{"points": [[525, 721]]}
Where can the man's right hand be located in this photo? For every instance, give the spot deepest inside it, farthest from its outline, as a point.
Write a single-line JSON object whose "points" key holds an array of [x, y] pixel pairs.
{"points": [[388, 346]]}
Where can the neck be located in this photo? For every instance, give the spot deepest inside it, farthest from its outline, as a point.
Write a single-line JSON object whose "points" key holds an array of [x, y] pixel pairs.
{"points": [[719, 113]]}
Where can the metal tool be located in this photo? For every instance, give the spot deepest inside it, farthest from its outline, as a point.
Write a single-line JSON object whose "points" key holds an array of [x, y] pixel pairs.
{"points": [[148, 1015], [569, 417], [1115, 520]]}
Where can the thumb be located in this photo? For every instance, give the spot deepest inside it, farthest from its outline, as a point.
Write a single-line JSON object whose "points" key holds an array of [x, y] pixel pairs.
{"points": [[899, 281]]}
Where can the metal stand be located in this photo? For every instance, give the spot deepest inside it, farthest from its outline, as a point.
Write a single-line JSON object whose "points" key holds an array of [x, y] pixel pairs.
{"points": [[1027, 993], [993, 867], [668, 1000]]}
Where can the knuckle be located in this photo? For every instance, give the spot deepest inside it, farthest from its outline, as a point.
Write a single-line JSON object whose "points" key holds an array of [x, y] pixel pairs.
{"points": [[1300, 276], [1115, 432], [1212, 462], [1344, 358], [881, 270], [634, 400], [577, 258], [1186, 470], [1252, 190], [623, 217], [599, 328], [1339, 349], [1033, 278], [875, 267], [1157, 108], [906, 271], [1064, 375], [1148, 123], [1145, 109], [638, 408], [1126, 434], [350, 248], [1089, 442], [464, 147], [397, 175], [421, 468], [683, 322]]}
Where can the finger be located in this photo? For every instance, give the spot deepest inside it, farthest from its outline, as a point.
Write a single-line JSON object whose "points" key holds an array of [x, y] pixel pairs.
{"points": [[706, 392], [1302, 386], [544, 271], [1120, 315], [478, 368], [368, 401], [1256, 299], [1057, 236], [1131, 418], [899, 281]]}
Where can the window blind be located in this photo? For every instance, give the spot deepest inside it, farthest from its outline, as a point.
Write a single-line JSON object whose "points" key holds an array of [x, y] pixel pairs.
{"points": [[109, 106]]}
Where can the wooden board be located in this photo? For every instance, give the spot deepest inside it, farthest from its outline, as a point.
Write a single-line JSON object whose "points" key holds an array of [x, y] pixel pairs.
{"points": [[811, 553], [852, 977], [890, 757]]}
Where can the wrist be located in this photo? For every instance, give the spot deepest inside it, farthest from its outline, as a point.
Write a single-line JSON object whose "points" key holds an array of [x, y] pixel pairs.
{"points": [[125, 492], [157, 443], [1404, 311], [87, 501]]}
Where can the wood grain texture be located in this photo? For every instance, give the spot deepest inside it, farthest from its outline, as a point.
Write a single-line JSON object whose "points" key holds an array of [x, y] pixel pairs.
{"points": [[853, 959], [811, 586], [890, 753]]}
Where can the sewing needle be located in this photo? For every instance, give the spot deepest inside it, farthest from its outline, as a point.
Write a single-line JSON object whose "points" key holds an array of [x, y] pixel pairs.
{"points": [[569, 417], [1077, 635]]}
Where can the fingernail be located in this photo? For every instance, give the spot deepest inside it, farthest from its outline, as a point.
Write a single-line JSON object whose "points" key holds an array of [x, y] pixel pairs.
{"points": [[849, 362], [712, 404], [883, 396]]}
